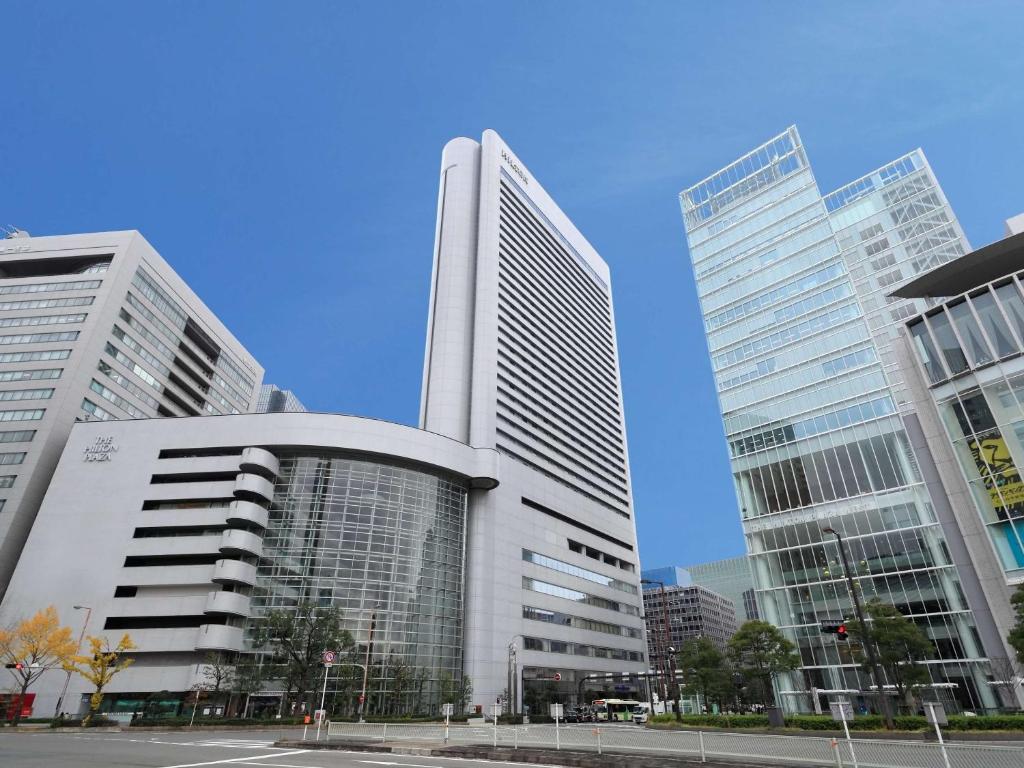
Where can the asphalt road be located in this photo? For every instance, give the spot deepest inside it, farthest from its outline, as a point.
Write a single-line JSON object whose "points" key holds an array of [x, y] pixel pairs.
{"points": [[194, 750]]}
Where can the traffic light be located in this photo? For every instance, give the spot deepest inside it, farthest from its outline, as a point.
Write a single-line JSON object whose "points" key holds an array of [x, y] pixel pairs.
{"points": [[835, 627], [15, 665]]}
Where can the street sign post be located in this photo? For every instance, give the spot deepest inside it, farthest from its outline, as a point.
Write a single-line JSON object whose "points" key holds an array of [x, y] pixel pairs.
{"points": [[557, 713], [447, 710], [935, 714], [842, 711]]}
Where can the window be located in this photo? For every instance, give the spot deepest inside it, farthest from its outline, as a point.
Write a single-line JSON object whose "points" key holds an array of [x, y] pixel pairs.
{"points": [[12, 458], [71, 301], [12, 322], [556, 590], [902, 313], [17, 436], [128, 384], [72, 285], [94, 410], [955, 359], [926, 352], [42, 373], [1012, 305], [116, 399], [34, 415], [575, 570], [164, 303], [994, 323], [7, 481], [578, 622], [26, 394], [889, 278], [877, 247], [886, 261], [873, 231], [30, 357], [38, 338], [125, 591], [971, 334]]}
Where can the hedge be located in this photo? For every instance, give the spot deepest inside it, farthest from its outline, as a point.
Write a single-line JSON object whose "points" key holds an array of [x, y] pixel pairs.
{"points": [[859, 723]]}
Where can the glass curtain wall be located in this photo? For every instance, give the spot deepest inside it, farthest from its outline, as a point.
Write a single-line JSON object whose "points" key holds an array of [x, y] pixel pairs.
{"points": [[970, 349], [369, 537], [813, 428]]}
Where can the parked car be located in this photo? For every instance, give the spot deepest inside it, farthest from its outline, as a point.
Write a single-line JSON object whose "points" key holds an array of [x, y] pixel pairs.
{"points": [[641, 713]]}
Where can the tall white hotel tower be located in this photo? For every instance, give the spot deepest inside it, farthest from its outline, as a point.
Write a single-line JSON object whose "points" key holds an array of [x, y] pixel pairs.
{"points": [[521, 357]]}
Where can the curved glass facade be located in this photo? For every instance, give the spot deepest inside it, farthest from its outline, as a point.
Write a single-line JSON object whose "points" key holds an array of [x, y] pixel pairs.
{"points": [[363, 535], [971, 351]]}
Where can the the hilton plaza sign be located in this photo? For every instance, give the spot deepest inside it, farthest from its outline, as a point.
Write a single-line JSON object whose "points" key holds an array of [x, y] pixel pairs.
{"points": [[100, 450]]}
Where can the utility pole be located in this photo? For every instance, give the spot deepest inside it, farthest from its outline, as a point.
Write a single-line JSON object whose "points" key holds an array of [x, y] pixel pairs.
{"points": [[78, 650], [869, 645], [366, 668], [664, 637]]}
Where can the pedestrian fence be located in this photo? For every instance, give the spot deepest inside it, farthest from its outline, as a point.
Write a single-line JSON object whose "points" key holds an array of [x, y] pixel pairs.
{"points": [[760, 748]]}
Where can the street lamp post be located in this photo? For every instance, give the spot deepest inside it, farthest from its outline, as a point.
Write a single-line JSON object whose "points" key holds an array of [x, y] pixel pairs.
{"points": [[869, 646], [675, 682], [78, 650]]}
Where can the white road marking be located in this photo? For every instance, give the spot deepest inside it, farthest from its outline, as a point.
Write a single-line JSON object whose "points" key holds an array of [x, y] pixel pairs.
{"points": [[408, 765], [236, 759]]}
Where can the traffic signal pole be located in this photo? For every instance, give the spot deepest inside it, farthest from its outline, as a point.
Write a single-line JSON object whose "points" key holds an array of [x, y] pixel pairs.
{"points": [[869, 645]]}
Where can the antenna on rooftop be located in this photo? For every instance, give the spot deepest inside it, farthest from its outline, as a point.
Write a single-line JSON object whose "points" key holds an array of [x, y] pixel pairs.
{"points": [[11, 232]]}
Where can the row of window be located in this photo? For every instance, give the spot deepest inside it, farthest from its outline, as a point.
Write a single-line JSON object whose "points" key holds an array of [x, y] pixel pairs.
{"points": [[578, 622], [14, 322], [25, 394], [579, 649], [128, 384], [72, 285], [32, 415], [36, 356], [973, 332], [788, 335], [70, 301], [12, 458], [17, 436], [95, 411], [40, 373], [38, 338], [556, 590], [826, 422], [575, 570]]}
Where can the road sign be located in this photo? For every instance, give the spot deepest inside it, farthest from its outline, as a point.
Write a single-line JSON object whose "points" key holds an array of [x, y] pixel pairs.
{"points": [[842, 711], [558, 676], [935, 713], [556, 711], [447, 710], [318, 715], [329, 657]]}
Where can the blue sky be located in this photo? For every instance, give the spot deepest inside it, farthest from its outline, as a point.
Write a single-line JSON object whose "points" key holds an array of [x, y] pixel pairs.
{"points": [[284, 158]]}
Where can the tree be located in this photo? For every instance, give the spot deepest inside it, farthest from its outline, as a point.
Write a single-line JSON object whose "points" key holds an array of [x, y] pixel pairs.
{"points": [[217, 673], [247, 680], [298, 637], [100, 665], [705, 670], [760, 651], [1005, 673], [457, 692], [901, 647], [1016, 636], [35, 645]]}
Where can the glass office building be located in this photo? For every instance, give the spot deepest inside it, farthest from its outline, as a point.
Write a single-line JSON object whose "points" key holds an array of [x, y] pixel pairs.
{"points": [[815, 435]]}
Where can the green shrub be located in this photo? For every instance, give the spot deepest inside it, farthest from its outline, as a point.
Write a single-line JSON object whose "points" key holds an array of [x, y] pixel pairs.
{"points": [[986, 723]]}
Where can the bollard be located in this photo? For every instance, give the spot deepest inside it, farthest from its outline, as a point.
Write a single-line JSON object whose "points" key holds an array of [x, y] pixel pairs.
{"points": [[839, 757], [384, 735], [703, 756], [515, 737], [597, 732]]}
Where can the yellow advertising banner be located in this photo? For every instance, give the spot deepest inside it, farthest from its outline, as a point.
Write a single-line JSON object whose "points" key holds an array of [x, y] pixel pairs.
{"points": [[999, 473]]}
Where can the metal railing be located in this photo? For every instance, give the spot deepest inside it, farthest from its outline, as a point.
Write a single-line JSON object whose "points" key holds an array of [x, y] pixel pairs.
{"points": [[762, 748]]}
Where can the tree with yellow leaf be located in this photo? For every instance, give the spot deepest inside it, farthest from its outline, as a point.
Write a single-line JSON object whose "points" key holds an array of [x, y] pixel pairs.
{"points": [[99, 666], [32, 647]]}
